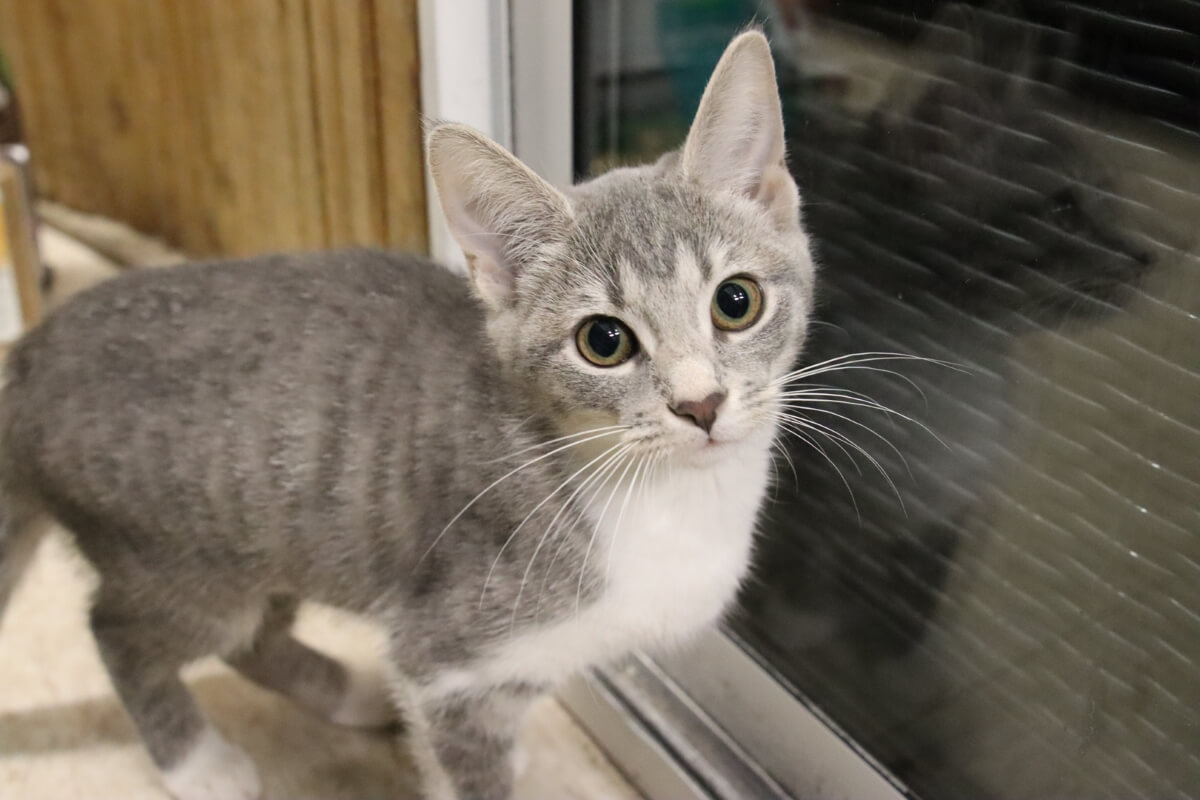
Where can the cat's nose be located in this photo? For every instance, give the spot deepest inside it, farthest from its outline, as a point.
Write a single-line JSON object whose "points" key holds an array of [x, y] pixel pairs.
{"points": [[702, 413]]}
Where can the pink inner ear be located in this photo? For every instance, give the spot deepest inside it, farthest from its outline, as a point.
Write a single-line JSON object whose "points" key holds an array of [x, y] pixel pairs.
{"points": [[482, 248], [767, 191], [777, 194], [492, 278]]}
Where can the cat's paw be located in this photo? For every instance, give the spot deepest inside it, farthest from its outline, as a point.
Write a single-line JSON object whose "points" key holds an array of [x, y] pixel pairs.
{"points": [[214, 769], [367, 703]]}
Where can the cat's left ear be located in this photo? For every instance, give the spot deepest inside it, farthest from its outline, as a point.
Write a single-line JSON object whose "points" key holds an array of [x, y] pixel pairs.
{"points": [[500, 212], [736, 142]]}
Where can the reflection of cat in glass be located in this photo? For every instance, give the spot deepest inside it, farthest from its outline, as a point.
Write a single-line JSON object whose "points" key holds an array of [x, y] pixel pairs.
{"points": [[959, 215]]}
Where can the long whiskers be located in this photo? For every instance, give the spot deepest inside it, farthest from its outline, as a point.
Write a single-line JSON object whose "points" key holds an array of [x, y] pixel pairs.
{"points": [[862, 361], [610, 455], [779, 448], [500, 480], [596, 483], [595, 533], [837, 436], [792, 423], [534, 510], [850, 359], [793, 399], [633, 482], [854, 399], [569, 436], [793, 406], [788, 425]]}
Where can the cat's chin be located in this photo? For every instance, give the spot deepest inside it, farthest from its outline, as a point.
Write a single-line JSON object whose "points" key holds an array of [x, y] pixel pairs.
{"points": [[712, 452], [704, 455]]}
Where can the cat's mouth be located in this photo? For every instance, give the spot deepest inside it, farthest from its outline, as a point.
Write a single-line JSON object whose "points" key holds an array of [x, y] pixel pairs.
{"points": [[712, 448]]}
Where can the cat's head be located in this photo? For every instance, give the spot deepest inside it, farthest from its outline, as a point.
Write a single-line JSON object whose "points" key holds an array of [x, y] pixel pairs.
{"points": [[667, 297]]}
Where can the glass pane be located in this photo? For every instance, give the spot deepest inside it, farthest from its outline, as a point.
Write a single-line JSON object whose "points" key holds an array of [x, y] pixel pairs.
{"points": [[994, 584]]}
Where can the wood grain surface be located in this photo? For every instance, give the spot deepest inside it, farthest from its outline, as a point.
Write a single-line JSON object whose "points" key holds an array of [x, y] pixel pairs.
{"points": [[227, 128]]}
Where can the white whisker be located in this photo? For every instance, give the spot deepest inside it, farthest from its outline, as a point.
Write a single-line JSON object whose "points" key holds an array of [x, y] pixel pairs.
{"points": [[540, 445], [658, 459], [608, 455], [862, 358], [857, 367], [862, 401], [831, 434], [778, 445], [859, 361], [595, 533], [804, 437], [791, 424], [596, 482], [500, 480], [865, 427], [612, 546], [532, 511]]}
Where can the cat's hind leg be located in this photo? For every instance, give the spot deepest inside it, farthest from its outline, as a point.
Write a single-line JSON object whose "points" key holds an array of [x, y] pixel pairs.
{"points": [[278, 661], [143, 650]]}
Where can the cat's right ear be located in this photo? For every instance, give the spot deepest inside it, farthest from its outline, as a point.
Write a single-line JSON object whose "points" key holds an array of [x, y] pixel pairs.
{"points": [[500, 212], [736, 142]]}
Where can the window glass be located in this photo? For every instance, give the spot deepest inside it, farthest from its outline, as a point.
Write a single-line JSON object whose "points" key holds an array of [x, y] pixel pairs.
{"points": [[985, 567]]}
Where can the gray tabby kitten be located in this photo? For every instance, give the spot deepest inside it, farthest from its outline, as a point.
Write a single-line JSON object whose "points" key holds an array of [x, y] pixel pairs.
{"points": [[519, 481]]}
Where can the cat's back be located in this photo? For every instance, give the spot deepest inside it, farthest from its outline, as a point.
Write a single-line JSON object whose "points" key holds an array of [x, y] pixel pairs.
{"points": [[229, 299], [143, 332], [232, 355]]}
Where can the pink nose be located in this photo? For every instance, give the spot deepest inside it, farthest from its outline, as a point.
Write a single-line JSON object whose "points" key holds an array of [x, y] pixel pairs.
{"points": [[702, 413]]}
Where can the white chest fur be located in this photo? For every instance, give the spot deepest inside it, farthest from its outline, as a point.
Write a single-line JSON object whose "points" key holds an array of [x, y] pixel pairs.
{"points": [[673, 564]]}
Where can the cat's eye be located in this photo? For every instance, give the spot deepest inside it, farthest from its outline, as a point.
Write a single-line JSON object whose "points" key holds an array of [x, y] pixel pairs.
{"points": [[737, 304], [605, 341]]}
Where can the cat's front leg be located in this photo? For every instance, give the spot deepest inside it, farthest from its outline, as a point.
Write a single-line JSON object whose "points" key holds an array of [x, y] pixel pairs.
{"points": [[464, 742]]}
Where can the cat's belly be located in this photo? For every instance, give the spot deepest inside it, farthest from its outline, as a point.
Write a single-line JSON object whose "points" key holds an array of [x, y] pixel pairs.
{"points": [[672, 567]]}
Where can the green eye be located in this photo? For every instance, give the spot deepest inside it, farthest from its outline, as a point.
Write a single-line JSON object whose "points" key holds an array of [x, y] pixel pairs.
{"points": [[737, 304], [605, 341]]}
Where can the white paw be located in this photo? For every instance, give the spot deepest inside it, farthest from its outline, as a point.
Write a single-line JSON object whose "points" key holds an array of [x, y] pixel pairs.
{"points": [[213, 770], [367, 704], [520, 760]]}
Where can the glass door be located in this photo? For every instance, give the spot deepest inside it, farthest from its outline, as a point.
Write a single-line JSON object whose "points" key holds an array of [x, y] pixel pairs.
{"points": [[981, 573]]}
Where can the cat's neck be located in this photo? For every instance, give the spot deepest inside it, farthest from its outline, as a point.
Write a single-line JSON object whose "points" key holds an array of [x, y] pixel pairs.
{"points": [[688, 502], [671, 558]]}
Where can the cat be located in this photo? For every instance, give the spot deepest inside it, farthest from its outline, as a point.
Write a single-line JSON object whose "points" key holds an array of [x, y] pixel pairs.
{"points": [[520, 475]]}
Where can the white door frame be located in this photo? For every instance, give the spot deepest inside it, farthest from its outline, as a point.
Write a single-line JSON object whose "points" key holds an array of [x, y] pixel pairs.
{"points": [[504, 68], [464, 78]]}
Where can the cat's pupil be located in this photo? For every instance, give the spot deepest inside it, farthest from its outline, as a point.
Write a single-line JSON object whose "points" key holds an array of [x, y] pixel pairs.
{"points": [[604, 337], [733, 300]]}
